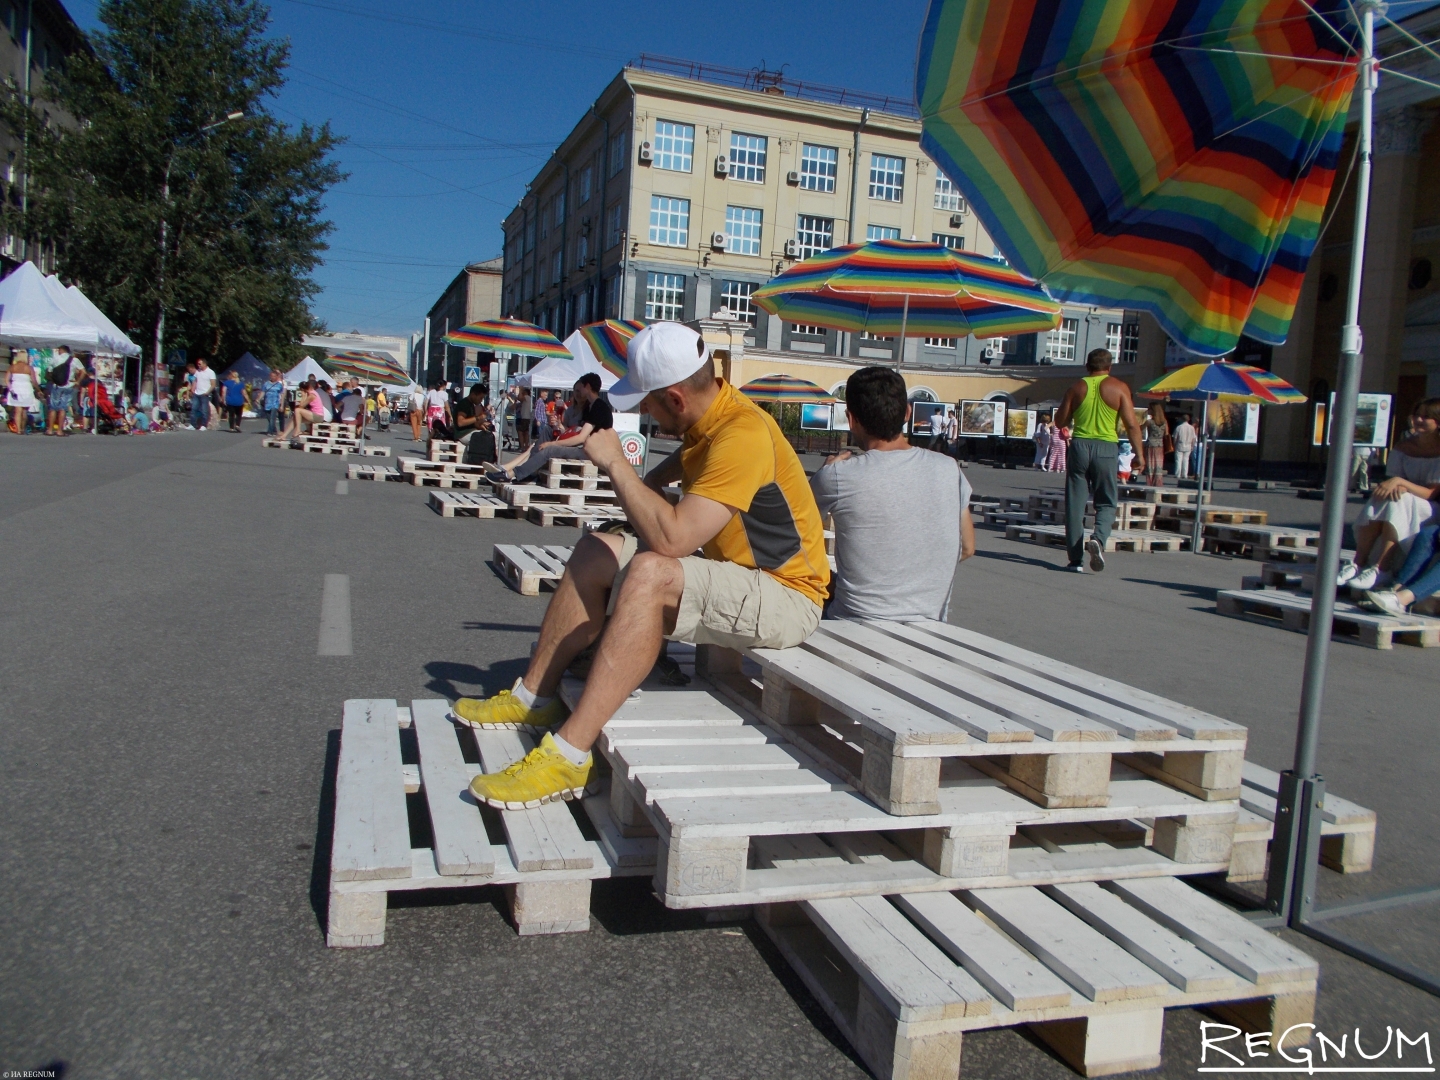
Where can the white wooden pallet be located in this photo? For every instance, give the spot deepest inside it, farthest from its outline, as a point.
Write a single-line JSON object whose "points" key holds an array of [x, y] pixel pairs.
{"points": [[1091, 968], [526, 495], [374, 472], [1347, 831], [332, 430], [324, 448], [444, 450], [1118, 540], [573, 481], [527, 566], [545, 863], [467, 504], [448, 480], [371, 450], [883, 702], [1350, 623], [547, 516], [409, 465], [1002, 518], [1211, 515], [1162, 495]]}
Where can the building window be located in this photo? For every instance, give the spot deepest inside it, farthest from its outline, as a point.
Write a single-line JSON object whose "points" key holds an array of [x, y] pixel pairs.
{"points": [[814, 234], [665, 296], [674, 146], [807, 331], [617, 152], [1060, 342], [527, 288], [947, 195], [999, 254], [1129, 343], [817, 167], [614, 218], [529, 236], [587, 180], [735, 298], [557, 267], [747, 157], [742, 230], [940, 342], [612, 299], [887, 178], [582, 252], [865, 335], [949, 240], [1113, 331], [881, 232], [669, 221], [514, 247], [558, 208]]}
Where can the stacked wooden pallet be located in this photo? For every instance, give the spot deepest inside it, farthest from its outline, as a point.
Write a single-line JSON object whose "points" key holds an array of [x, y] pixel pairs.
{"points": [[528, 566], [1161, 495], [379, 473], [1350, 623], [342, 444], [1178, 517], [572, 485], [1119, 539], [1347, 831], [468, 504], [443, 474], [1048, 508], [1261, 541]]}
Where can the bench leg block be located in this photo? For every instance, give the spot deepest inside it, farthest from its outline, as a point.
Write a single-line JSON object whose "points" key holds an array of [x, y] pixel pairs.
{"points": [[787, 705], [1248, 860], [716, 660], [893, 1054], [1196, 840], [1107, 1044], [1348, 853], [1063, 780], [1281, 1016], [355, 920], [701, 866], [898, 785], [550, 907], [627, 811], [959, 852]]}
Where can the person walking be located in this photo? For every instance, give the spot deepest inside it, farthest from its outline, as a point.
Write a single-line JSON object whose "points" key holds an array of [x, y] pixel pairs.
{"points": [[60, 395], [20, 393], [524, 417], [1059, 445], [272, 392], [1095, 404], [1185, 437], [1042, 443], [438, 418], [416, 412], [202, 382], [233, 396], [1156, 429]]}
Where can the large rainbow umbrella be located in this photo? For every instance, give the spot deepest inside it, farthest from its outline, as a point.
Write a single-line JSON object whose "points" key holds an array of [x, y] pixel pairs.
{"points": [[786, 389], [1174, 156], [367, 367], [507, 336], [608, 341], [909, 288], [1224, 382]]}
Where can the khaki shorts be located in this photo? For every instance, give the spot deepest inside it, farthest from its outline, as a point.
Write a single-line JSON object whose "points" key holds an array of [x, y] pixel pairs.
{"points": [[726, 604]]}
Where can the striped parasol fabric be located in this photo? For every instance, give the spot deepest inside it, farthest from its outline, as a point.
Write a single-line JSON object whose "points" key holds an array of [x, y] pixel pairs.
{"points": [[507, 336], [609, 340], [1173, 157], [916, 289], [1224, 382], [367, 367], [787, 389]]}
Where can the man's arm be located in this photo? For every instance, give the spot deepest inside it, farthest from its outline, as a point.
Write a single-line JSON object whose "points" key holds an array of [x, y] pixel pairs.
{"points": [[967, 534], [1128, 417], [664, 474], [1068, 404], [673, 531]]}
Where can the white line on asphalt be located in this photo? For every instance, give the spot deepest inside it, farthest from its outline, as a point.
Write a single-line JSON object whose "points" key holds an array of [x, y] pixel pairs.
{"points": [[335, 616], [342, 487]]}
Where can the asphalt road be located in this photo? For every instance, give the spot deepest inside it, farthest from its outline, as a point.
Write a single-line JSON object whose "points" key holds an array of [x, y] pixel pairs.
{"points": [[167, 742]]}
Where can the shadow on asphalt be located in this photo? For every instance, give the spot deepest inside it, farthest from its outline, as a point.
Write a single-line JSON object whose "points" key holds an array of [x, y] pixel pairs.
{"points": [[1024, 560], [447, 677], [324, 833], [517, 627], [1198, 592]]}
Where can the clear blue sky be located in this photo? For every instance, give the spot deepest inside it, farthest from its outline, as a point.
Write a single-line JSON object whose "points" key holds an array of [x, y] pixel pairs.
{"points": [[450, 107]]}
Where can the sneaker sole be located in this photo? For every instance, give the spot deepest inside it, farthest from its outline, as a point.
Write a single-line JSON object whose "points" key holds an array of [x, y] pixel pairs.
{"points": [[1097, 557], [566, 795], [457, 718]]}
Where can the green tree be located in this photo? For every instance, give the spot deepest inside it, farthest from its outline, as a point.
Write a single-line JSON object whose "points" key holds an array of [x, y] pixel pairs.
{"points": [[158, 202]]}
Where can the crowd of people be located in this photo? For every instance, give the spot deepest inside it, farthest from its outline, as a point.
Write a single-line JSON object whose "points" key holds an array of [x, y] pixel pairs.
{"points": [[1180, 443]]}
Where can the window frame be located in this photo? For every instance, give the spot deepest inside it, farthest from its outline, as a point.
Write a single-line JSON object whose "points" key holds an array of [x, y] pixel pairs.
{"points": [[660, 156], [752, 244], [824, 182], [949, 198], [943, 238], [680, 231], [807, 250], [1057, 345], [890, 173], [871, 230], [750, 171], [746, 290], [673, 295]]}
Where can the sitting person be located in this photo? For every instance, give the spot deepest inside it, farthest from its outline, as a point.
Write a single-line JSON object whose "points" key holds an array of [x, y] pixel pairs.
{"points": [[1400, 505], [882, 500], [596, 415], [474, 429], [1418, 579], [760, 581]]}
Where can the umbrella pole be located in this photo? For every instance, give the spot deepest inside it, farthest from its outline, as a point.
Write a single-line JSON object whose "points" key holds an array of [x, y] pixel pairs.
{"points": [[904, 318], [1200, 475]]}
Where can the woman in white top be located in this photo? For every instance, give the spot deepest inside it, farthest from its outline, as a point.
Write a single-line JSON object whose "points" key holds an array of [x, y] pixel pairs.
{"points": [[20, 395], [1042, 442], [1400, 506], [416, 411], [437, 409]]}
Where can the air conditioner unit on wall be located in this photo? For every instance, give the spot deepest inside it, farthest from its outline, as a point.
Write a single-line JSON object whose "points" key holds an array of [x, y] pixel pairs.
{"points": [[722, 166], [792, 177], [646, 154], [956, 220], [717, 241], [792, 249]]}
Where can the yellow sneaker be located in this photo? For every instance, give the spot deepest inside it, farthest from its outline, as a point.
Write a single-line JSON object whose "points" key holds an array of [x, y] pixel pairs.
{"points": [[541, 776], [505, 710]]}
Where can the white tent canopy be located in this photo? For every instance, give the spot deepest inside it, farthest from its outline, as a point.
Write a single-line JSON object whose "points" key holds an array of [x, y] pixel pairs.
{"points": [[561, 372], [31, 316], [307, 369], [112, 338]]}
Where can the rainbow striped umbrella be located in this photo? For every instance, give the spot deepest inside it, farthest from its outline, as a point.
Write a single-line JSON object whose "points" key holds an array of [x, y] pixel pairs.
{"points": [[367, 367], [507, 336], [787, 389], [1173, 157], [1224, 382], [608, 340], [910, 288]]}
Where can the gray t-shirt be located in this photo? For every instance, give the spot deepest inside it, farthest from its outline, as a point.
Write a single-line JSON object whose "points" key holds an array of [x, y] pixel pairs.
{"points": [[897, 532]]}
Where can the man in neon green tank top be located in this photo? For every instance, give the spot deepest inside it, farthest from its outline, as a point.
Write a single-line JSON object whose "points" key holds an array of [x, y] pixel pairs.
{"points": [[1093, 408]]}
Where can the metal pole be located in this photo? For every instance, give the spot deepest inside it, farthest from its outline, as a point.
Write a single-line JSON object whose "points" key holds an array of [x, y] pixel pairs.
{"points": [[1200, 476], [422, 376], [904, 318]]}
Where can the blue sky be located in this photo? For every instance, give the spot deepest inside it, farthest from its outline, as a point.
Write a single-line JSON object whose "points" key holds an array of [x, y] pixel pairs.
{"points": [[450, 107]]}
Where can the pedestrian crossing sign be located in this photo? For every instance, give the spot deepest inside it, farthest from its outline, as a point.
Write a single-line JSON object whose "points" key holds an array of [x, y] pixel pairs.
{"points": [[472, 373]]}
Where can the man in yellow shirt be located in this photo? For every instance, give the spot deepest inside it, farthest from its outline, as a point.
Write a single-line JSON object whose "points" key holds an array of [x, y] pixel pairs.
{"points": [[760, 583]]}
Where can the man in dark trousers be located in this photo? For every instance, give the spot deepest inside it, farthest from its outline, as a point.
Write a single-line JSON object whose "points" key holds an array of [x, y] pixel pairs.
{"points": [[1093, 408]]}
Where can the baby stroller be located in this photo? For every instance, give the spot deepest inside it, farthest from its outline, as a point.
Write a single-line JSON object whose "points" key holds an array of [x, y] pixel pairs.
{"points": [[92, 395]]}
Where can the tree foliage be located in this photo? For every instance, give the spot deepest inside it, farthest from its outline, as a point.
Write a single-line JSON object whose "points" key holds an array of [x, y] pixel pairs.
{"points": [[239, 205]]}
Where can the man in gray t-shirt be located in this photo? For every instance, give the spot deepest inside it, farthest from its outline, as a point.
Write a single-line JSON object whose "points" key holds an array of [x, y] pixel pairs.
{"points": [[902, 514]]}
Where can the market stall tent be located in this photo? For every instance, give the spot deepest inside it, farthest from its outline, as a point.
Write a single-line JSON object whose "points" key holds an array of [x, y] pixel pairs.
{"points": [[30, 317], [113, 340], [307, 369], [249, 369]]}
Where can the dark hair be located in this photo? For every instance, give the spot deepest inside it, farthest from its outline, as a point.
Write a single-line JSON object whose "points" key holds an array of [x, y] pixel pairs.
{"points": [[877, 398], [1428, 409], [589, 380], [1099, 359], [477, 390]]}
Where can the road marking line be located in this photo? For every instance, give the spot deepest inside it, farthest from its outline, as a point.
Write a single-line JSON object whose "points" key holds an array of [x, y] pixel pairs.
{"points": [[342, 487], [335, 616]]}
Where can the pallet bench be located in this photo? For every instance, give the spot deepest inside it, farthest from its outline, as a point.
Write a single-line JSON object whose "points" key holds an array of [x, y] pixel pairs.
{"points": [[1350, 623], [412, 465], [525, 567], [1347, 831], [522, 496], [547, 516], [1090, 968], [1258, 541], [1004, 518], [448, 480], [1180, 515], [1161, 495], [444, 450], [1118, 540], [466, 504], [545, 863], [380, 473]]}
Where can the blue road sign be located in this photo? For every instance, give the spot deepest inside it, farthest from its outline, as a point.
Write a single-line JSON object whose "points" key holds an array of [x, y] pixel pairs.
{"points": [[472, 373]]}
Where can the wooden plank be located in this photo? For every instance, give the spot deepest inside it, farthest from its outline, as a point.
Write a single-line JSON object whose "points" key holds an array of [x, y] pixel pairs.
{"points": [[1180, 962], [1016, 979], [688, 735], [461, 844], [542, 838], [372, 828], [696, 759], [1337, 811], [909, 975], [730, 783], [1225, 935], [1080, 955], [1127, 722], [1192, 723]]}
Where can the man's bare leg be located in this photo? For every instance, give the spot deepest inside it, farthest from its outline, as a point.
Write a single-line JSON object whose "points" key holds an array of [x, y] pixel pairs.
{"points": [[576, 614], [645, 611]]}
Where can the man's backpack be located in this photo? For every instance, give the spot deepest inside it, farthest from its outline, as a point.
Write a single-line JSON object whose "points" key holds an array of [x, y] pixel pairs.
{"points": [[480, 450]]}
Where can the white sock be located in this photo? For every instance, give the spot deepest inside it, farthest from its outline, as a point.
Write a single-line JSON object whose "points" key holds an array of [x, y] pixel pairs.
{"points": [[575, 757], [532, 701]]}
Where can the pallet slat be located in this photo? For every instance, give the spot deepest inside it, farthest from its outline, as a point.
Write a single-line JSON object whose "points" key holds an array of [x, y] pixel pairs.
{"points": [[372, 830], [461, 844]]}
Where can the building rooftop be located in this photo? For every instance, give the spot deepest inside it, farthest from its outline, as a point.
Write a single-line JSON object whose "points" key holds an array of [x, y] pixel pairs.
{"points": [[763, 81]]}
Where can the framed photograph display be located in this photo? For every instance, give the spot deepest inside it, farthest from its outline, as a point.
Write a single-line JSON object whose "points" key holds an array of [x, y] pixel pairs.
{"points": [[1020, 423], [1234, 421], [1320, 424], [838, 420], [1372, 419], [815, 417], [925, 416], [982, 418]]}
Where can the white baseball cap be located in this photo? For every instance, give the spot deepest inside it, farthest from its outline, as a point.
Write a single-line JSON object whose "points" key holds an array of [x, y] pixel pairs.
{"points": [[661, 355]]}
